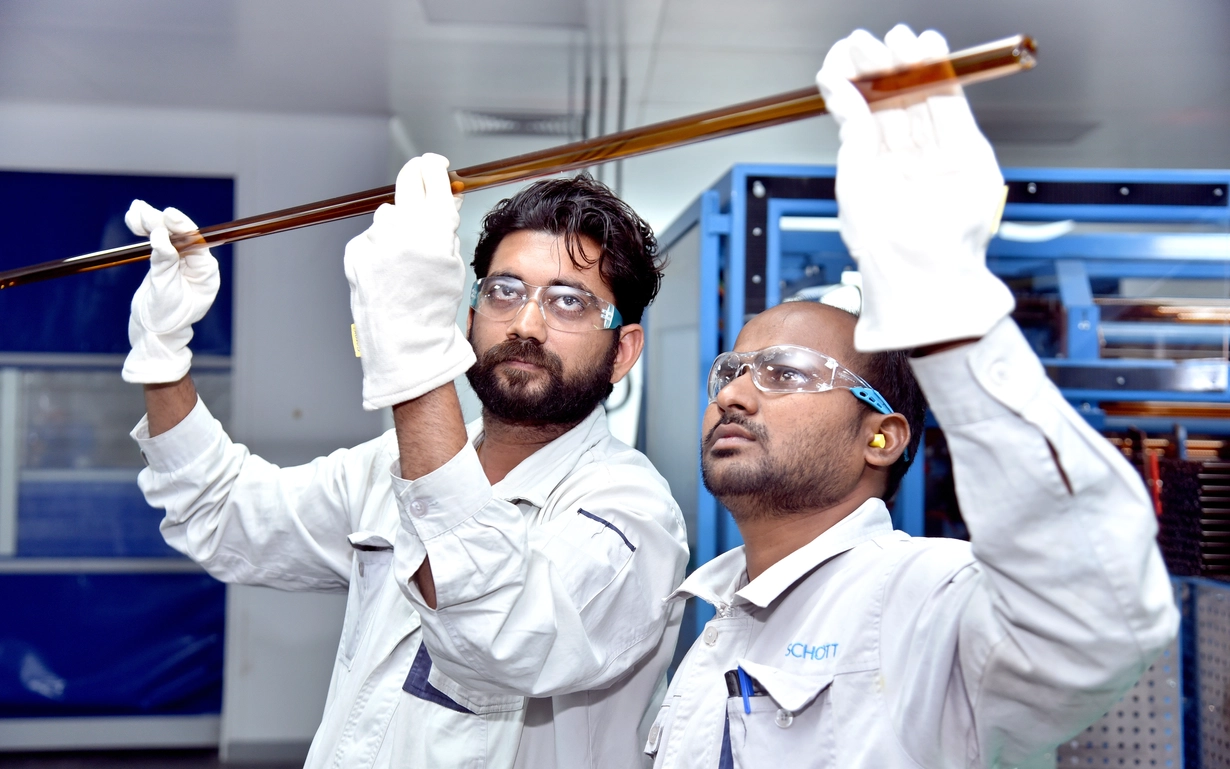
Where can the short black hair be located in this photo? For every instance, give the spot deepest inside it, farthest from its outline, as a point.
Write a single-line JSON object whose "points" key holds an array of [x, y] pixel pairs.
{"points": [[577, 206], [890, 373]]}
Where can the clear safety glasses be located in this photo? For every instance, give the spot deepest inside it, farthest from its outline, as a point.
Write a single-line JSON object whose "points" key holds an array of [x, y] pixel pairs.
{"points": [[563, 308], [788, 368]]}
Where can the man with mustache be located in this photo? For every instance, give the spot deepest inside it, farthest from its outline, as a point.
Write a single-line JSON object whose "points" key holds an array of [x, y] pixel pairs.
{"points": [[505, 578], [838, 642]]}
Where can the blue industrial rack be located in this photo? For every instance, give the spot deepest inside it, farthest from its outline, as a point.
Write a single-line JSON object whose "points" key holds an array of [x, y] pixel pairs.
{"points": [[731, 257]]}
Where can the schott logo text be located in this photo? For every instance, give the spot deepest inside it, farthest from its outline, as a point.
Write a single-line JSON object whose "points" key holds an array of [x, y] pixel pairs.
{"points": [[808, 652]]}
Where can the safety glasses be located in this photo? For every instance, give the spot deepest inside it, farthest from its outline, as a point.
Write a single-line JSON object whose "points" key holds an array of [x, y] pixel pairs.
{"points": [[788, 368], [563, 308]]}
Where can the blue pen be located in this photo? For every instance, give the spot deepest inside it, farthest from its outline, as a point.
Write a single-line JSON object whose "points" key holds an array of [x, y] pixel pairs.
{"points": [[745, 688]]}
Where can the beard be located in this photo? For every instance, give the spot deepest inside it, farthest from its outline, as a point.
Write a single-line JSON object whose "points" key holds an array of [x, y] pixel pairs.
{"points": [[520, 397], [803, 477]]}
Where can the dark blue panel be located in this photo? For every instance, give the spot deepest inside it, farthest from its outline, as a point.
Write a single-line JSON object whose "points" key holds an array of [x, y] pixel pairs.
{"points": [[50, 216], [94, 519], [110, 644]]}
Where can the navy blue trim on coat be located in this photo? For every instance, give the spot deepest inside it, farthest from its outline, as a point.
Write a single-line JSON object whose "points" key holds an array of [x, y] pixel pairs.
{"points": [[726, 759], [609, 525], [416, 683]]}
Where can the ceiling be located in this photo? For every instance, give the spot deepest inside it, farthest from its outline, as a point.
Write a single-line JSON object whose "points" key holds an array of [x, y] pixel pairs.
{"points": [[1128, 83]]}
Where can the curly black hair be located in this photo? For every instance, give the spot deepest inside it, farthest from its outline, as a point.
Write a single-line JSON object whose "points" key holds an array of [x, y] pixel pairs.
{"points": [[578, 206]]}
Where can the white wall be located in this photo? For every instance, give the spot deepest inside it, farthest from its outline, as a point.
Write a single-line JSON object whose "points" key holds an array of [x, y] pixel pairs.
{"points": [[295, 379]]}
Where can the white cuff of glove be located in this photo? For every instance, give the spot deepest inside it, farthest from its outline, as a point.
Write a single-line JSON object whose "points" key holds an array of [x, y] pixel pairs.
{"points": [[156, 358], [914, 307], [429, 361]]}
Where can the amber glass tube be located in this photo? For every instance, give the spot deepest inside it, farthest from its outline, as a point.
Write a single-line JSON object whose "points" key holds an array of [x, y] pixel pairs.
{"points": [[971, 65]]}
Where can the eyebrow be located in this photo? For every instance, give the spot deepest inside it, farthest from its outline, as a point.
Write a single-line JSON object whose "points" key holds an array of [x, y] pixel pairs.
{"points": [[556, 282]]}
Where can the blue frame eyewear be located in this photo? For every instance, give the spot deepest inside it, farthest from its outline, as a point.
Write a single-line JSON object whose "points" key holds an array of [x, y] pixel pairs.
{"points": [[789, 368]]}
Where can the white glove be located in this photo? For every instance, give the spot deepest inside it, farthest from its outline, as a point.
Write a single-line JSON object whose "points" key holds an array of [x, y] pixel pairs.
{"points": [[177, 292], [919, 195], [406, 279]]}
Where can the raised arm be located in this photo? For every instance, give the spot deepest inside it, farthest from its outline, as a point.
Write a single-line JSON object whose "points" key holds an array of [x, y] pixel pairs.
{"points": [[240, 517], [406, 279], [1066, 600], [177, 291]]}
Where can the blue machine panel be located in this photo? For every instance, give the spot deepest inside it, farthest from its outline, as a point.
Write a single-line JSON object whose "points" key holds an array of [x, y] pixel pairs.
{"points": [[96, 644], [110, 645], [52, 216]]}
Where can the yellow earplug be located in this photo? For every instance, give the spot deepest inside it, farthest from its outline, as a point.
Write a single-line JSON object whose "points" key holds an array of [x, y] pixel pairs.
{"points": [[877, 442]]}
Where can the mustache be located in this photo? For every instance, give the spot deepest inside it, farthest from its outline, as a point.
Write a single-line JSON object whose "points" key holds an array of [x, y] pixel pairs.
{"points": [[526, 351], [735, 418]]}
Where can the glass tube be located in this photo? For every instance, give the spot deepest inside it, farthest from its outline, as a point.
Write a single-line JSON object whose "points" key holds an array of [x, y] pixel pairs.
{"points": [[992, 60]]}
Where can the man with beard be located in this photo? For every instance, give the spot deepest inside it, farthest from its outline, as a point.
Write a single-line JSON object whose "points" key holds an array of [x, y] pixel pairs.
{"points": [[837, 641], [505, 578]]}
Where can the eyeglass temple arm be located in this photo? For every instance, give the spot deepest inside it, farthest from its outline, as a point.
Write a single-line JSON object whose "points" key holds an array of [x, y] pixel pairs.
{"points": [[873, 399]]}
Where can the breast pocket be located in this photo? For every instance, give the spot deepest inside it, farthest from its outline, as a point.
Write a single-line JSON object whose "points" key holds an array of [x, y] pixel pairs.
{"points": [[373, 554], [786, 720]]}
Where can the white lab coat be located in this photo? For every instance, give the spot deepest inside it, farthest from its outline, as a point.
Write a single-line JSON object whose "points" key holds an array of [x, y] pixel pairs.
{"points": [[876, 650], [551, 640]]}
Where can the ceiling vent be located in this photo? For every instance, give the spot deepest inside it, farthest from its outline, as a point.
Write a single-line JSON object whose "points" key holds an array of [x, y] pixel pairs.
{"points": [[473, 122]]}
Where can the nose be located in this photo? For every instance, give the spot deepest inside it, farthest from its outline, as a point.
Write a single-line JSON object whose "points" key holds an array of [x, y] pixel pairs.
{"points": [[739, 393], [529, 322]]}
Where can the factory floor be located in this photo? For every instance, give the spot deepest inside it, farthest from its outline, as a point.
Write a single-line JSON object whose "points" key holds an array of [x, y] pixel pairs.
{"points": [[127, 759]]}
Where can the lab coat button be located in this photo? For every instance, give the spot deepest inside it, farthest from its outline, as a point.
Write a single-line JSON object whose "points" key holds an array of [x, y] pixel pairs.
{"points": [[784, 718], [418, 508], [711, 635]]}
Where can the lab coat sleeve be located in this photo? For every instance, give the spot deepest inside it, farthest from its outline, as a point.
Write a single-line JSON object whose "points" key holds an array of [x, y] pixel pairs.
{"points": [[246, 520], [1068, 601], [570, 604]]}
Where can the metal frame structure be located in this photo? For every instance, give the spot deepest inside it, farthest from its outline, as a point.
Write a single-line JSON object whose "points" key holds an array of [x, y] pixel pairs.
{"points": [[737, 246]]}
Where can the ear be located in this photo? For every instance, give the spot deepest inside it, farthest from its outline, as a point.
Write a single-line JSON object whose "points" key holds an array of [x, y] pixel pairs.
{"points": [[469, 322], [896, 432], [631, 342]]}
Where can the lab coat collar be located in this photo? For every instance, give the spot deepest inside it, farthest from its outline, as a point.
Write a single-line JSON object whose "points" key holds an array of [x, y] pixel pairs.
{"points": [[538, 474], [724, 579]]}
